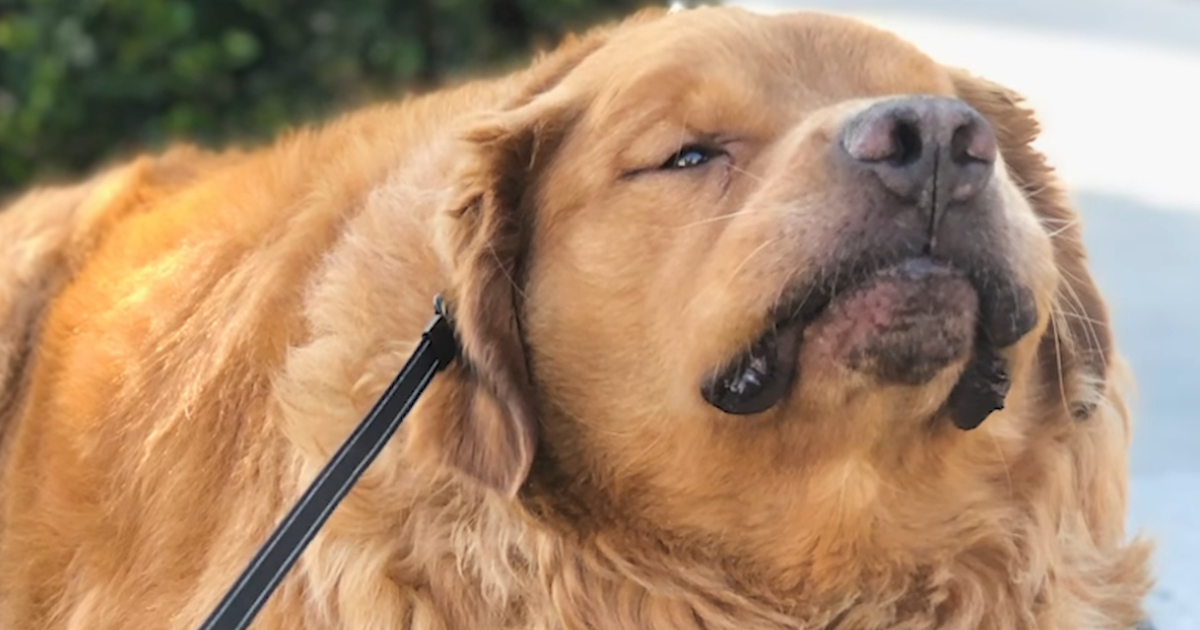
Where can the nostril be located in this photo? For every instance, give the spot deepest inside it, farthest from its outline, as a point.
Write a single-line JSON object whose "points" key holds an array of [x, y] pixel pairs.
{"points": [[906, 144], [973, 142]]}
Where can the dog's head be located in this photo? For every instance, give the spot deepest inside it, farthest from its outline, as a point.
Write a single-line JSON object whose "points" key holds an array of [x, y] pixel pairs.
{"points": [[782, 285]]}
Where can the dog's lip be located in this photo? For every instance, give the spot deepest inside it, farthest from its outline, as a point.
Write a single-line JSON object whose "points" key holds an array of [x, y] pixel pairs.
{"points": [[1003, 315], [778, 345], [811, 301]]}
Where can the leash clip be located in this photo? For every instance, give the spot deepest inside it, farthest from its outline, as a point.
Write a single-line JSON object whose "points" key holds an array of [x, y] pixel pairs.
{"points": [[440, 333]]}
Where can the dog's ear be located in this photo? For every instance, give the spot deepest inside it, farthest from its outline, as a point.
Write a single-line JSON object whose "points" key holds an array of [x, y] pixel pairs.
{"points": [[486, 426], [1076, 348]]}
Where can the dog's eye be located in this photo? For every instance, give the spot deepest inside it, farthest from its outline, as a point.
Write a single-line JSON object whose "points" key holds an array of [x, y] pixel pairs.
{"points": [[691, 156]]}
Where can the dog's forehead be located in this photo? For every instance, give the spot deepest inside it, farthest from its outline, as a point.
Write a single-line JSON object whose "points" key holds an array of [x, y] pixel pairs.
{"points": [[803, 54]]}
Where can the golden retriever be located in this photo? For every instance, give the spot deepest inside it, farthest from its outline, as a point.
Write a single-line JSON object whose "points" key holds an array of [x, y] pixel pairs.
{"points": [[766, 322]]}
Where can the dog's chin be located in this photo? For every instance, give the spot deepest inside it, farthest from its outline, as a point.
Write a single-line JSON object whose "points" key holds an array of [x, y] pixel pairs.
{"points": [[903, 325]]}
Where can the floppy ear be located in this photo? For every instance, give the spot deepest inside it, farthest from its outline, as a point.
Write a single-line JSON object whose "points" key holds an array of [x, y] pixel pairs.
{"points": [[1076, 348], [487, 427]]}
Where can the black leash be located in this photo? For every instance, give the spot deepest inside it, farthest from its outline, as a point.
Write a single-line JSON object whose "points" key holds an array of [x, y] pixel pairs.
{"points": [[434, 352]]}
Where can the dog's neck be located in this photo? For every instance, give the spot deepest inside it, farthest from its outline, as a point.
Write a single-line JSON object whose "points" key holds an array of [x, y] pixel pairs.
{"points": [[471, 559]]}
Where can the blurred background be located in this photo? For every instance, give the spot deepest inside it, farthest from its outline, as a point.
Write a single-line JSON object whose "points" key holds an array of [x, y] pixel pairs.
{"points": [[1116, 84], [81, 80]]}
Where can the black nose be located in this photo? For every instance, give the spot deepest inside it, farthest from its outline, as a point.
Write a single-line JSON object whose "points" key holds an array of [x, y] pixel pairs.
{"points": [[932, 151]]}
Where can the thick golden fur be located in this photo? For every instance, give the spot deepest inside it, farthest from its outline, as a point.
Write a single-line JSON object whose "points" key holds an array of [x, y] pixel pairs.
{"points": [[185, 339]]}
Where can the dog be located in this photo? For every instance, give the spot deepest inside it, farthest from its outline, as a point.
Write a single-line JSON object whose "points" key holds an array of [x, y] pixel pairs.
{"points": [[765, 321]]}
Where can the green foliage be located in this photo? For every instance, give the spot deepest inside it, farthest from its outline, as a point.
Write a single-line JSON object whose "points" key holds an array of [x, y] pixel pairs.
{"points": [[82, 79]]}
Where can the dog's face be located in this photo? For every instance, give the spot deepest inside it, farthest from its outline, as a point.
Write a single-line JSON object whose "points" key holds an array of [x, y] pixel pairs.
{"points": [[765, 283]]}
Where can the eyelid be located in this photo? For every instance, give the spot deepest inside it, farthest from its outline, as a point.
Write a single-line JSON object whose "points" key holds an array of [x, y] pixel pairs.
{"points": [[709, 150], [718, 148]]}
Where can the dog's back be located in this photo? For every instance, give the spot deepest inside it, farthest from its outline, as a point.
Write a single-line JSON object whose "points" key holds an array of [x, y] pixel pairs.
{"points": [[48, 231], [62, 388]]}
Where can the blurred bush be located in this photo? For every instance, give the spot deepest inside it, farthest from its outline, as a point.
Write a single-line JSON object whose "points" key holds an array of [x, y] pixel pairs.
{"points": [[82, 79]]}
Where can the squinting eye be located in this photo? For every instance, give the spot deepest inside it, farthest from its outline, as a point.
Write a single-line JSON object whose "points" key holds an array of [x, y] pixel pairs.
{"points": [[691, 156]]}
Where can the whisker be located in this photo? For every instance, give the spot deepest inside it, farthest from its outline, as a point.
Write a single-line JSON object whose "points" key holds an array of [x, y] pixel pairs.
{"points": [[508, 276], [1004, 462], [1083, 318], [752, 253], [723, 217], [1055, 315], [799, 306], [1075, 302], [1059, 231], [758, 178]]}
